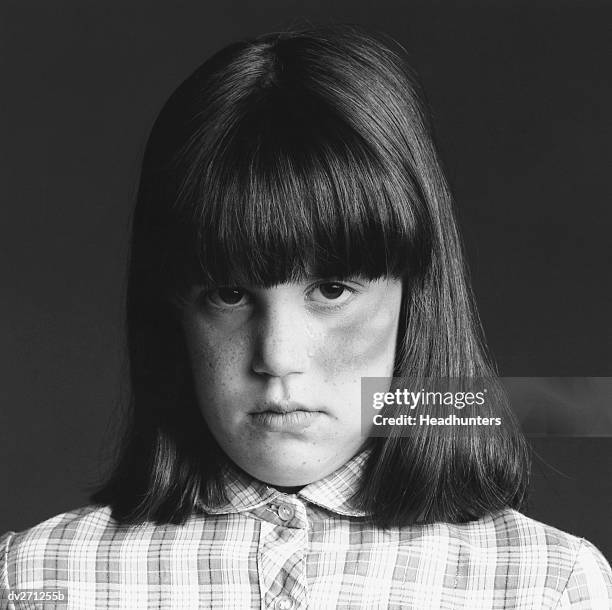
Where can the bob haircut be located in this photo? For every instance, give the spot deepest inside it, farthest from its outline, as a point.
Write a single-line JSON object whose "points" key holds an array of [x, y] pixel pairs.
{"points": [[301, 152]]}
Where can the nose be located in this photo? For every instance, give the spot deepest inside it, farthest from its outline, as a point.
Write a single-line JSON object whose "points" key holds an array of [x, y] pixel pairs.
{"points": [[282, 345]]}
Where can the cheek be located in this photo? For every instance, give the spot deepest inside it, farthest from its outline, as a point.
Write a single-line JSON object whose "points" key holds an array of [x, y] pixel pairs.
{"points": [[363, 345], [216, 358]]}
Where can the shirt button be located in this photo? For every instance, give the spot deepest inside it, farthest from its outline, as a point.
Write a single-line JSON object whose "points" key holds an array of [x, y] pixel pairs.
{"points": [[283, 603], [286, 512]]}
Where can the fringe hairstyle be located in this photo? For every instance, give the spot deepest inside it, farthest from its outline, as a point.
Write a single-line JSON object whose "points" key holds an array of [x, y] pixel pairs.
{"points": [[294, 151]]}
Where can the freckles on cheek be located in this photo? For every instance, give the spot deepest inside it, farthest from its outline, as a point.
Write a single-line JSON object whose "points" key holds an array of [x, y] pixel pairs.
{"points": [[214, 356]]}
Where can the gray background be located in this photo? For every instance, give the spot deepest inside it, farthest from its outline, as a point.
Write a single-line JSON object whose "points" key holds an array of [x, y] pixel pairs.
{"points": [[521, 93]]}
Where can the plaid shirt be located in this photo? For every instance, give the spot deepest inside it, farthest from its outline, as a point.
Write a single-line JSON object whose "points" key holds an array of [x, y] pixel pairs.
{"points": [[269, 550]]}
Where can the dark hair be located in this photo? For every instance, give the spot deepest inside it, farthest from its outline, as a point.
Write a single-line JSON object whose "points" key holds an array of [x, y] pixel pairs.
{"points": [[308, 150]]}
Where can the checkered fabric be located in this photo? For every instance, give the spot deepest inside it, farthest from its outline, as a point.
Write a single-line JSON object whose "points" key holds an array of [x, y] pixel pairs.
{"points": [[270, 550]]}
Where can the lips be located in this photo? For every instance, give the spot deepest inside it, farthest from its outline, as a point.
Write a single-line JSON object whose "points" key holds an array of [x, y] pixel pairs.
{"points": [[282, 408], [286, 417]]}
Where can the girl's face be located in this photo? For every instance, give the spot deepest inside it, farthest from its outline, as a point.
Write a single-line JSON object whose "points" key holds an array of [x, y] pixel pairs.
{"points": [[278, 370]]}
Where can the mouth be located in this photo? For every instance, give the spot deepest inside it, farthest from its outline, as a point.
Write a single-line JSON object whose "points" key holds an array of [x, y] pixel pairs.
{"points": [[282, 408], [284, 417]]}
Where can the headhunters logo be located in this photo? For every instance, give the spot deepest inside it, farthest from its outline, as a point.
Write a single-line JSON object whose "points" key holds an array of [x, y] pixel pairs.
{"points": [[402, 404]]}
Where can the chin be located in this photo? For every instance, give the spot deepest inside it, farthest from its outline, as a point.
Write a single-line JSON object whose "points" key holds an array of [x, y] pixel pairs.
{"points": [[290, 463], [276, 472]]}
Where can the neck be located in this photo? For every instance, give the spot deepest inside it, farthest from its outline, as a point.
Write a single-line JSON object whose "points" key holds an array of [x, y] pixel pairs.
{"points": [[288, 490]]}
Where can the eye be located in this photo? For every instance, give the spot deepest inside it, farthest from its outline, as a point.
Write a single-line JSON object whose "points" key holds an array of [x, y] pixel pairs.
{"points": [[227, 296], [332, 294], [332, 290]]}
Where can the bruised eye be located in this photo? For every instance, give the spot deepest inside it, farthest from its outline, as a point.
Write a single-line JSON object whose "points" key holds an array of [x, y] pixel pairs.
{"points": [[332, 290], [332, 294], [227, 296]]}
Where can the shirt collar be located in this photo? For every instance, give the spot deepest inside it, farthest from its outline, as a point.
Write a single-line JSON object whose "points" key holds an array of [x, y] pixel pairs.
{"points": [[334, 492]]}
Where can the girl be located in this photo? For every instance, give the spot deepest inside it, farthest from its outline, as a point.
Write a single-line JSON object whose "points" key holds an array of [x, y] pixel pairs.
{"points": [[294, 234]]}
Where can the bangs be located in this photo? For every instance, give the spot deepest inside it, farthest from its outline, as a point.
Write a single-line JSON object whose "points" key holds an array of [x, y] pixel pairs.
{"points": [[287, 193]]}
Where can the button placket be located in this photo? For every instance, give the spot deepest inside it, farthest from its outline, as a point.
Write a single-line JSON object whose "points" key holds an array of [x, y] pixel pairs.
{"points": [[281, 559]]}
